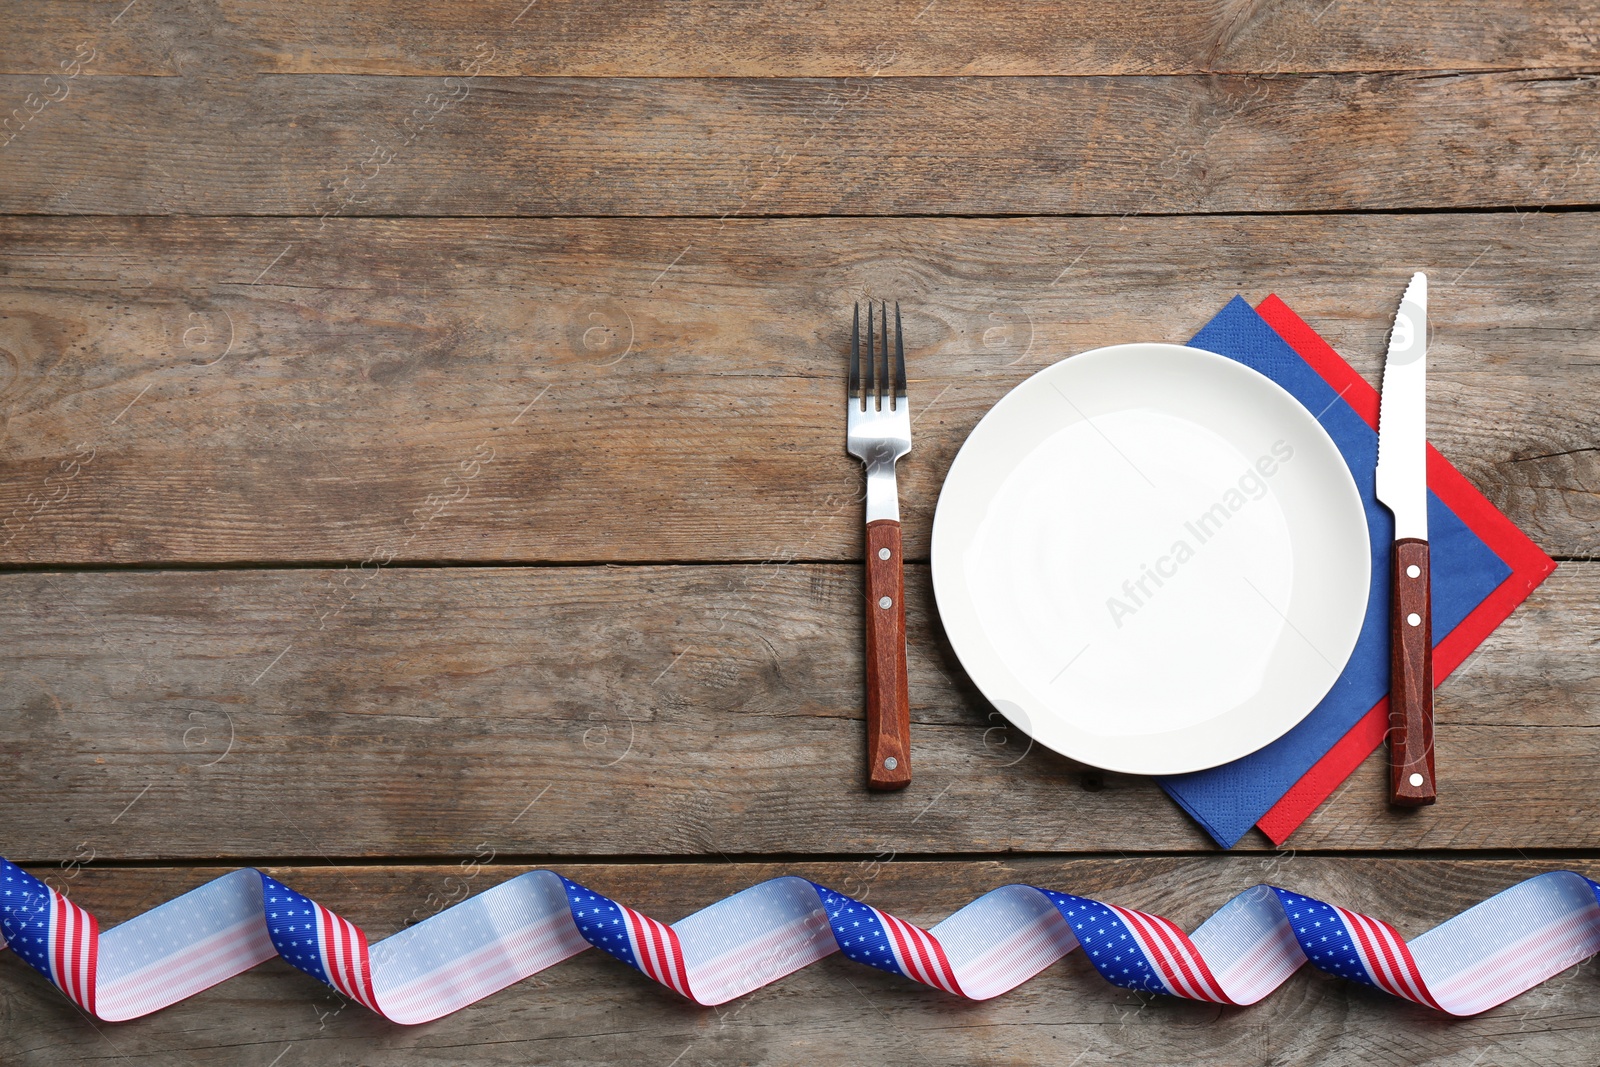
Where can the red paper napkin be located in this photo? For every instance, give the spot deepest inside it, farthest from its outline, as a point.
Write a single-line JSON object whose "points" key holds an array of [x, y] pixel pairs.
{"points": [[1529, 566]]}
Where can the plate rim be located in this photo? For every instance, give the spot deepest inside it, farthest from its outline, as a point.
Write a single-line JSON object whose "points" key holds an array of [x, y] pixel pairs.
{"points": [[1346, 487]]}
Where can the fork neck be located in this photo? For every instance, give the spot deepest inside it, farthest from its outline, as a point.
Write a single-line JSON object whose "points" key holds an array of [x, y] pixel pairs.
{"points": [[883, 499]]}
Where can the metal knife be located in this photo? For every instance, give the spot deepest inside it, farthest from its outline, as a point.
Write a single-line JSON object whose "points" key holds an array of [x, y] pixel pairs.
{"points": [[1402, 485]]}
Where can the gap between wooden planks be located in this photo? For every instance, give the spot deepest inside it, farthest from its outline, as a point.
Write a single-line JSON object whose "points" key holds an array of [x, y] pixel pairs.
{"points": [[333, 145], [219, 391], [593, 1010], [709, 710]]}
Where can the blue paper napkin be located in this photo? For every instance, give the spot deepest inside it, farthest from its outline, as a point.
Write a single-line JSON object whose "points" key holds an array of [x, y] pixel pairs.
{"points": [[1229, 799]]}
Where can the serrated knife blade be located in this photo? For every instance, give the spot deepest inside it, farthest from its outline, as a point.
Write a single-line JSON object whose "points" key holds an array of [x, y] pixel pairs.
{"points": [[1402, 416], [1402, 485]]}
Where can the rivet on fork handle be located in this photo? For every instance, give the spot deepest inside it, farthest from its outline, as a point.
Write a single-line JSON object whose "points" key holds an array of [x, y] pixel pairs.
{"points": [[888, 702], [878, 432]]}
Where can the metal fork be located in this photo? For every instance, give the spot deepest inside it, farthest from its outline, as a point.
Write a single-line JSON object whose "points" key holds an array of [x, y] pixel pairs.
{"points": [[878, 432]]}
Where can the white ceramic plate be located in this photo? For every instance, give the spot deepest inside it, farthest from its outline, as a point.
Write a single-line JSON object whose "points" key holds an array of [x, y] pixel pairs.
{"points": [[1151, 559]]}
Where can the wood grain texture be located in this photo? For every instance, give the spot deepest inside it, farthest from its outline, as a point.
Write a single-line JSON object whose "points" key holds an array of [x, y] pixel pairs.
{"points": [[319, 145], [724, 38], [593, 1010], [214, 391], [499, 384], [710, 710], [1412, 777], [888, 698]]}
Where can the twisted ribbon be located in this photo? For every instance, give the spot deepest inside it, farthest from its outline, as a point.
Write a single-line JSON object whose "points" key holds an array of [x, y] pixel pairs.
{"points": [[1481, 958]]}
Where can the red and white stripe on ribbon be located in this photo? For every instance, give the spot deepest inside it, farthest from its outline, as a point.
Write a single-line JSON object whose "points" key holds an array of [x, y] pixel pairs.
{"points": [[1173, 956], [919, 954], [1482, 957], [1386, 957], [74, 950], [655, 946], [344, 957]]}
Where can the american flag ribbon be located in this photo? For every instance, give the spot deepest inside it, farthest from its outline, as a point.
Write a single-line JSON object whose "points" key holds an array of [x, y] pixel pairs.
{"points": [[1470, 963], [320, 943], [56, 937]]}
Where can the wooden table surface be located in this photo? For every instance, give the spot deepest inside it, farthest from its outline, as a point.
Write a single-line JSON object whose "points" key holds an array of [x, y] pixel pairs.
{"points": [[374, 512]]}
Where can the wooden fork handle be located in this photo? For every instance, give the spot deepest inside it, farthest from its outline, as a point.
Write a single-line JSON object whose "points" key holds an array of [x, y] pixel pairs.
{"points": [[1411, 778], [888, 704]]}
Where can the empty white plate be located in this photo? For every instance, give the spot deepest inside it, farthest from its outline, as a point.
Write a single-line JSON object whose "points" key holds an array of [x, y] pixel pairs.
{"points": [[1151, 558]]}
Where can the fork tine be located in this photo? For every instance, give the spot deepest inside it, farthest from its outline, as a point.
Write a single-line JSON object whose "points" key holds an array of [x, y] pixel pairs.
{"points": [[885, 383], [899, 357], [869, 397], [855, 357]]}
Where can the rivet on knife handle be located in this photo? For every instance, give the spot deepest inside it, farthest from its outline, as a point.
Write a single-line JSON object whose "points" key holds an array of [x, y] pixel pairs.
{"points": [[888, 705], [1411, 777]]}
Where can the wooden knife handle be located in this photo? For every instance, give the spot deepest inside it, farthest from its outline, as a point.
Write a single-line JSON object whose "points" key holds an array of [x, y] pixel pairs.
{"points": [[1411, 778], [888, 706]]}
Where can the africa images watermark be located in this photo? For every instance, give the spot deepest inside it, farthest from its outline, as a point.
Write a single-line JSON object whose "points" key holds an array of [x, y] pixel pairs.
{"points": [[1250, 486], [55, 88]]}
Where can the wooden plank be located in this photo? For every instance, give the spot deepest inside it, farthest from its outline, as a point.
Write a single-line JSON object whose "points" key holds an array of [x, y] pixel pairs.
{"points": [[721, 38], [709, 710], [320, 144], [212, 391], [593, 1010]]}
